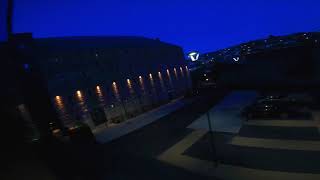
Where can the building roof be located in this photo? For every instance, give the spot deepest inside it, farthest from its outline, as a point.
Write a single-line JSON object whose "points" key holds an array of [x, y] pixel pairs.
{"points": [[100, 42]]}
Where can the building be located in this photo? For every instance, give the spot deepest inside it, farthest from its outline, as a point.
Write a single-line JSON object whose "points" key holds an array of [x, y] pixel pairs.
{"points": [[105, 80]]}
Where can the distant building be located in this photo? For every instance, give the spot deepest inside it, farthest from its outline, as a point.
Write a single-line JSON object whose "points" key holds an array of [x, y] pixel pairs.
{"points": [[105, 80]]}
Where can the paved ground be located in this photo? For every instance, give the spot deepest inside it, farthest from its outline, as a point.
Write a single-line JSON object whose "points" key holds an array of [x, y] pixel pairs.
{"points": [[225, 116], [135, 156], [107, 134], [167, 149], [262, 149]]}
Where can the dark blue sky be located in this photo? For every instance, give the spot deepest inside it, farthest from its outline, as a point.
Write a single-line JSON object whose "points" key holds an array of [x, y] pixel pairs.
{"points": [[203, 25]]}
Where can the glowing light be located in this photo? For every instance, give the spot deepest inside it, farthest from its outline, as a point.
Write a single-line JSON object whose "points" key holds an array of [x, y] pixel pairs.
{"points": [[194, 56], [181, 70], [79, 94], [236, 59], [204, 75], [207, 79], [175, 73], [150, 75], [59, 102], [161, 81], [141, 83], [116, 91], [98, 88], [130, 86]]}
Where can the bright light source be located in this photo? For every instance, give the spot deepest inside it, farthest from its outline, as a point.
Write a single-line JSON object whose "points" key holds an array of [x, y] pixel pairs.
{"points": [[204, 75], [150, 75], [207, 79], [79, 94], [236, 59], [58, 97], [98, 87], [114, 83], [140, 77], [194, 56], [128, 81]]}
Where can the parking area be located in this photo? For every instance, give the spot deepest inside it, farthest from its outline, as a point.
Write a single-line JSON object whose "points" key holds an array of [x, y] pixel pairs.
{"points": [[265, 145]]}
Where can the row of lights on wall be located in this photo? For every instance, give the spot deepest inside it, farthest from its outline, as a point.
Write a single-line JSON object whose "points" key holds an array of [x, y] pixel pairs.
{"points": [[79, 94]]}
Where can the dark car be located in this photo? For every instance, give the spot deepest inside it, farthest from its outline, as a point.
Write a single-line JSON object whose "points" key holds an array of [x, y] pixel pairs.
{"points": [[266, 110], [282, 109]]}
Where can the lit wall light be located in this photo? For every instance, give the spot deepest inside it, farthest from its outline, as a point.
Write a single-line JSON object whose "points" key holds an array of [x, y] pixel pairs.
{"points": [[58, 98], [79, 94], [128, 81], [207, 79], [150, 75], [114, 83], [98, 88], [140, 77]]}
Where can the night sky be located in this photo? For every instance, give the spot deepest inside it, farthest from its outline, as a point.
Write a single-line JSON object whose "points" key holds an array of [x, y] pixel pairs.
{"points": [[203, 25]]}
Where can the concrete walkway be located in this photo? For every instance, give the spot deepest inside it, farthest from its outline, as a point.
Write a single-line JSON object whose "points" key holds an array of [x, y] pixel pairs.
{"points": [[174, 156], [107, 134], [257, 149], [225, 117]]}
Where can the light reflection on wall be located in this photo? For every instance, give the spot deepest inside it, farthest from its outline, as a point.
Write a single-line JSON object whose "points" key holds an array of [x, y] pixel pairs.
{"points": [[141, 83], [151, 80], [161, 81], [129, 83], [153, 88], [169, 78], [58, 102], [115, 91], [60, 107], [175, 73], [181, 71], [100, 96], [81, 102]]}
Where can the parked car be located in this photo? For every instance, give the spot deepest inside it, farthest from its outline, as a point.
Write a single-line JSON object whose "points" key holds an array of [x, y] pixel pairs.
{"points": [[266, 109]]}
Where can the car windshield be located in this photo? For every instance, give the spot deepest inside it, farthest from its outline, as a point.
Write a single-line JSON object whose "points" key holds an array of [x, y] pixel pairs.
{"points": [[163, 90]]}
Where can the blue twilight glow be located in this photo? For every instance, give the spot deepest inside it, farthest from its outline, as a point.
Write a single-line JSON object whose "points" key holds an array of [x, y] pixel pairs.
{"points": [[3, 24], [204, 25]]}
